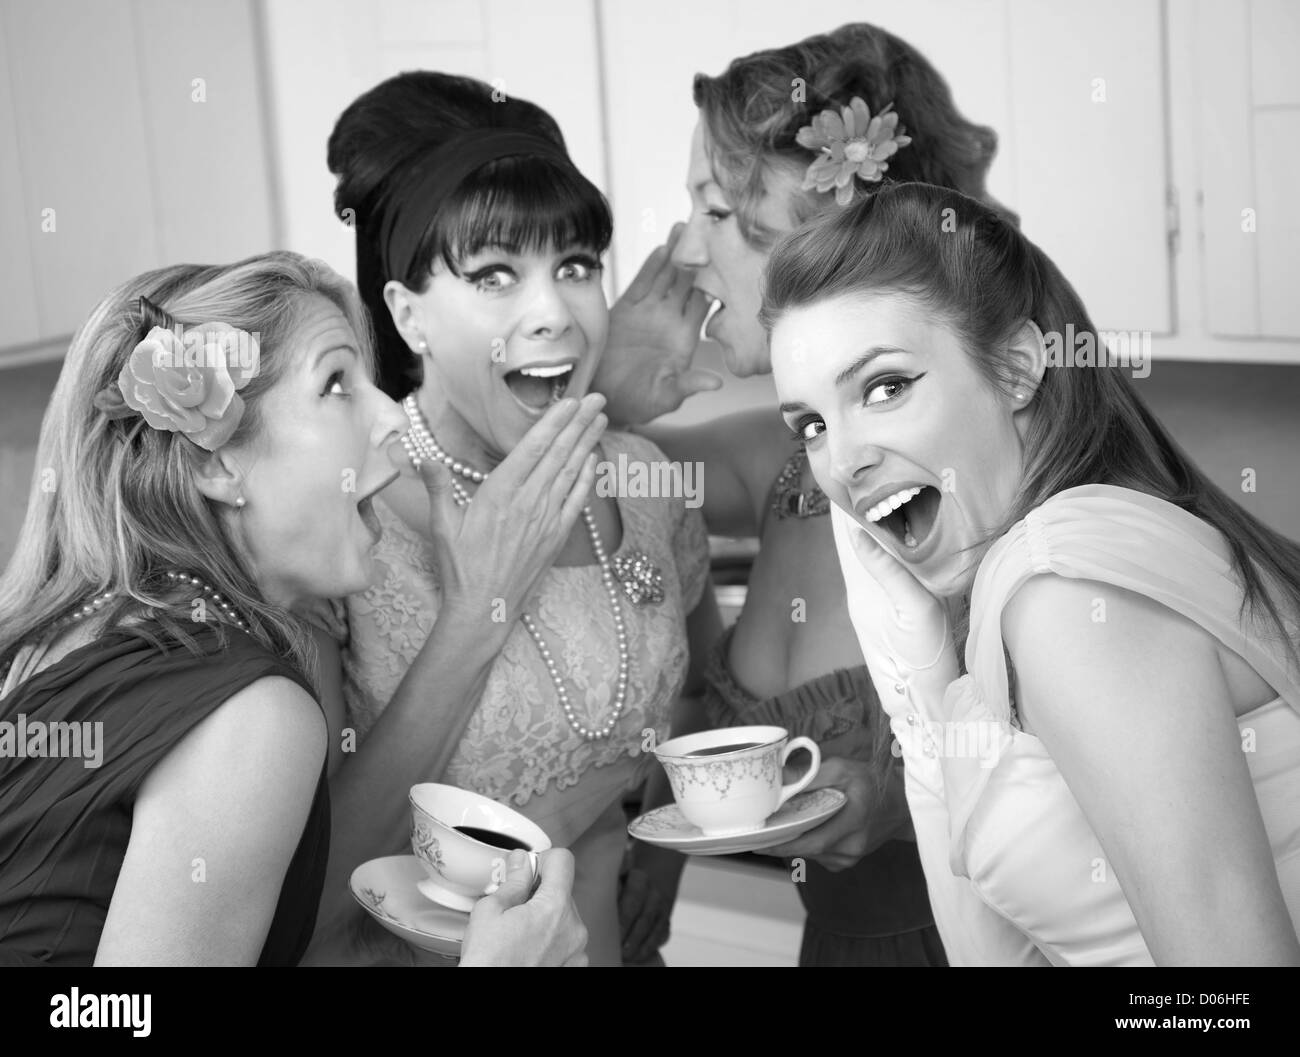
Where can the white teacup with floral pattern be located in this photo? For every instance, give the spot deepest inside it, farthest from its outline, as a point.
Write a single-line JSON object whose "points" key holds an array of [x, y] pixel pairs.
{"points": [[728, 781], [463, 868]]}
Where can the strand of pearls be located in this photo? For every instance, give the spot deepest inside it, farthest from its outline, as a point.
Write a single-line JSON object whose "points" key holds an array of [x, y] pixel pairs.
{"points": [[424, 439], [420, 446], [228, 611]]}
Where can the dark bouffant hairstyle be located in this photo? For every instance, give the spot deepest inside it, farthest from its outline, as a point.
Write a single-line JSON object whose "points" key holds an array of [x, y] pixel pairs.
{"points": [[517, 203]]}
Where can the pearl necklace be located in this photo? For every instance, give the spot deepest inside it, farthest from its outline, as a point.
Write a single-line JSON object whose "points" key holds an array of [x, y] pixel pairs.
{"points": [[227, 610], [421, 446]]}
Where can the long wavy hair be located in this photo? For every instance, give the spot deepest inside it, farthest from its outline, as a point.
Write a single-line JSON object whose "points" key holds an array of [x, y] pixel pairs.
{"points": [[975, 271], [114, 503], [753, 111], [518, 203]]}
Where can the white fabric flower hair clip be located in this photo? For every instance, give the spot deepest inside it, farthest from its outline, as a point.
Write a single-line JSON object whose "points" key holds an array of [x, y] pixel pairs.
{"points": [[850, 143]]}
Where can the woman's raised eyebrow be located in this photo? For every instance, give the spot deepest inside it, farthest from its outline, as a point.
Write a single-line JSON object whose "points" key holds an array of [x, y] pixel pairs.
{"points": [[332, 348]]}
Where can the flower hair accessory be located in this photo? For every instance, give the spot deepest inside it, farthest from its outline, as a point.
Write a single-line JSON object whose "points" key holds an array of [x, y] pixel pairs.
{"points": [[850, 143], [184, 379]]}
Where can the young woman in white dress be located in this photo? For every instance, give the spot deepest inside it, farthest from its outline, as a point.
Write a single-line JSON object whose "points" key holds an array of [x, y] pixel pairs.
{"points": [[1115, 777], [793, 663]]}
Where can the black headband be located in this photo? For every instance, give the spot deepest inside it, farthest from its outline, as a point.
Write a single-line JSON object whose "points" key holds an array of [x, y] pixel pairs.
{"points": [[419, 193]]}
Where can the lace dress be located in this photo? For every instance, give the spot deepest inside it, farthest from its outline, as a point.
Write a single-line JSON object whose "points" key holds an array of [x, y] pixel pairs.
{"points": [[519, 748]]}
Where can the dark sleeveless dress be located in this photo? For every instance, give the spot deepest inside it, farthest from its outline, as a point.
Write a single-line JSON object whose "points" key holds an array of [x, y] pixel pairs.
{"points": [[64, 826], [876, 913]]}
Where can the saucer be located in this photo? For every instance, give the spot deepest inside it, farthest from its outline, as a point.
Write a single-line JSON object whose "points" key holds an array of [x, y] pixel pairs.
{"points": [[387, 888], [667, 826], [431, 890]]}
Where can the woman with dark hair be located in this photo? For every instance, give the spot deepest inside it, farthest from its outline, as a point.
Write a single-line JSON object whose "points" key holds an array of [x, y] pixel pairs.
{"points": [[776, 140], [1113, 780], [478, 253], [207, 465]]}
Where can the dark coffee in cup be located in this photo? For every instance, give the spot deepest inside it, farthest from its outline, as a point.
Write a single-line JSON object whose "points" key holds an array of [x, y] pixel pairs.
{"points": [[718, 750], [497, 840]]}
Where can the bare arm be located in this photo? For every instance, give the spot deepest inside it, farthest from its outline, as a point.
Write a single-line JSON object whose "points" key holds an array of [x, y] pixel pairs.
{"points": [[741, 453], [213, 830], [489, 557], [1135, 711], [370, 815]]}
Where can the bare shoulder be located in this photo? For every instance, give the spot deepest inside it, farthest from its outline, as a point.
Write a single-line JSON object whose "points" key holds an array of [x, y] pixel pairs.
{"points": [[269, 732], [239, 787], [763, 444], [742, 452], [272, 705], [1086, 651], [1068, 617]]}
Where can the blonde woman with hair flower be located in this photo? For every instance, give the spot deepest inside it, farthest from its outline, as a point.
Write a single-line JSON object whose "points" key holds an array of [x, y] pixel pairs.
{"points": [[188, 499]]}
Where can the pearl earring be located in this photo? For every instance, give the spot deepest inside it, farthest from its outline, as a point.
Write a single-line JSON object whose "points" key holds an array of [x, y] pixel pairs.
{"points": [[424, 345], [240, 501]]}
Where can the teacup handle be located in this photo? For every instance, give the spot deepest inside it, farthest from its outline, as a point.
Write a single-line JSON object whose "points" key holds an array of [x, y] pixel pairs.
{"points": [[534, 862], [787, 791]]}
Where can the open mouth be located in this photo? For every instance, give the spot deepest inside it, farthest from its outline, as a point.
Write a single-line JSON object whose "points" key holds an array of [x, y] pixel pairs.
{"points": [[366, 508], [908, 515], [539, 386], [715, 310]]}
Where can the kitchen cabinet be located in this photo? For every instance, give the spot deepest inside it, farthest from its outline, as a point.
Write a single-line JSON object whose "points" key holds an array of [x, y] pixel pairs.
{"points": [[131, 136], [1246, 129], [1149, 146]]}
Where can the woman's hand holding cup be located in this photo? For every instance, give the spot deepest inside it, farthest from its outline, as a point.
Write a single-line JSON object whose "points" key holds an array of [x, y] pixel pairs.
{"points": [[509, 928]]}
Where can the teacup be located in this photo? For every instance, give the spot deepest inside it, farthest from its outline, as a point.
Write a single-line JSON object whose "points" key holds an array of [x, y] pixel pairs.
{"points": [[462, 840], [728, 781]]}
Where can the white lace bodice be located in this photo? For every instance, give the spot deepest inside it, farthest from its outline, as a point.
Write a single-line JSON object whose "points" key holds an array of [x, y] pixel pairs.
{"points": [[519, 748]]}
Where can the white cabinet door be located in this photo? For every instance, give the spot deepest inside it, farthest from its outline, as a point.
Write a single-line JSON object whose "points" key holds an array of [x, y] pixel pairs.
{"points": [[19, 320], [83, 153], [1248, 124], [203, 110], [131, 136], [1087, 97]]}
